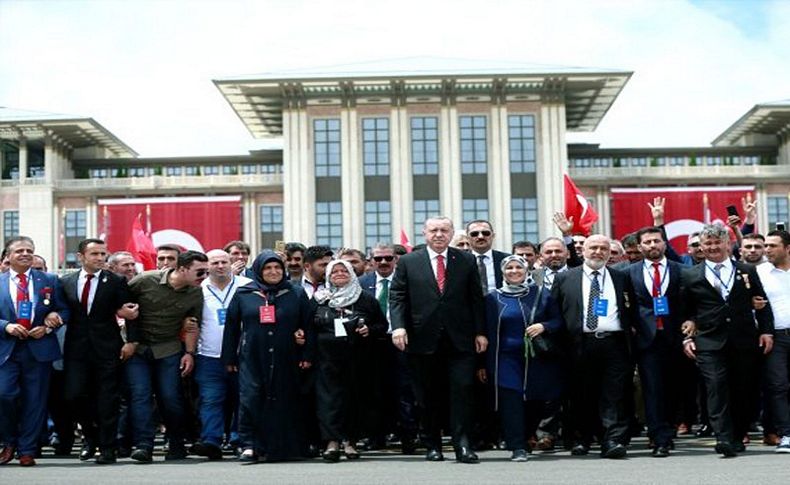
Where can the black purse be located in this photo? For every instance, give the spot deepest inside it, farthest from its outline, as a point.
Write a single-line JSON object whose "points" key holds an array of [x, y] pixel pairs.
{"points": [[545, 347]]}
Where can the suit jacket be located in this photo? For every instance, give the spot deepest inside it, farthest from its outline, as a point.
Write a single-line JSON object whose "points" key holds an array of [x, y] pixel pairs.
{"points": [[498, 256], [95, 333], [732, 320], [368, 283], [417, 305], [45, 349], [567, 292], [644, 318]]}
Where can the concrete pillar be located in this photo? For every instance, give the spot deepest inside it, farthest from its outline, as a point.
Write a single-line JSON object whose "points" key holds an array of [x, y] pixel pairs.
{"points": [[290, 179], [22, 160], [552, 162], [499, 195], [450, 193], [761, 196], [352, 180], [401, 180], [38, 219], [51, 165], [250, 222], [604, 224]]}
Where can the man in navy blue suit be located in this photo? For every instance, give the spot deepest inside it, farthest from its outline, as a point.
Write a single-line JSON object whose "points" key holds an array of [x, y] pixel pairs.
{"points": [[657, 339], [31, 306]]}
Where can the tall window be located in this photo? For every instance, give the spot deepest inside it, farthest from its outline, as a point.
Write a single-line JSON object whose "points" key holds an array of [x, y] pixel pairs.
{"points": [[377, 222], [524, 213], [271, 217], [521, 142], [778, 210], [376, 146], [425, 145], [10, 225], [474, 153], [475, 209], [329, 224], [423, 209], [75, 230], [326, 145]]}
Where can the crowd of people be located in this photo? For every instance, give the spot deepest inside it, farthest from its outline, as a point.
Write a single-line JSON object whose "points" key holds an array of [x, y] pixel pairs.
{"points": [[576, 342]]}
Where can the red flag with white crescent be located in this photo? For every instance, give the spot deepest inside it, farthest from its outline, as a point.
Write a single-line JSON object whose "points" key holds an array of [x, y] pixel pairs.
{"points": [[578, 208]]}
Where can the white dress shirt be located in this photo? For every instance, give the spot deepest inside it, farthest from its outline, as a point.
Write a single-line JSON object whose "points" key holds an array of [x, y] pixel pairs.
{"points": [[727, 278], [663, 273], [611, 322], [210, 340], [550, 274], [776, 283], [307, 286], [432, 254], [488, 261], [81, 280], [13, 281]]}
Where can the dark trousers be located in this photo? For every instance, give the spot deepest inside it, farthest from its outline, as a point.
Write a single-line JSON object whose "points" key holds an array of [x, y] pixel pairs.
{"points": [[730, 378], [777, 382], [601, 368], [450, 369], [655, 372], [60, 413], [397, 393], [520, 418], [684, 388], [91, 392]]}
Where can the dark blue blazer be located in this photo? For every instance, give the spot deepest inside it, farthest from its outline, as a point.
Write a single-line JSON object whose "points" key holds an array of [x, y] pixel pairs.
{"points": [[368, 283], [645, 320], [45, 349]]}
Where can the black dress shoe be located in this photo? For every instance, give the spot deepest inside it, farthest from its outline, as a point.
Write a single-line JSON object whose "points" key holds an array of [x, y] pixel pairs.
{"points": [[87, 452], [579, 449], [613, 450], [434, 455], [212, 452], [142, 455], [725, 449], [704, 431], [175, 454], [331, 456], [465, 455], [106, 457], [661, 451], [124, 452], [739, 447]]}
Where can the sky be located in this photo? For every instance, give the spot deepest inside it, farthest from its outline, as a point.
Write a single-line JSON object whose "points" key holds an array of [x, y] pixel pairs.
{"points": [[143, 68]]}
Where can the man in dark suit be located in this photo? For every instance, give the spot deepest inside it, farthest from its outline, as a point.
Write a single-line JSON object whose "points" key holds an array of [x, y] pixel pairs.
{"points": [[31, 306], [481, 238], [93, 349], [595, 303], [655, 284], [717, 297], [436, 307]]}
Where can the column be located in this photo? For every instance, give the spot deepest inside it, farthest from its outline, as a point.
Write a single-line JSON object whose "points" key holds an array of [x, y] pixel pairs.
{"points": [[604, 224], [401, 181], [305, 173], [551, 166], [499, 197], [450, 194], [22, 161], [352, 180]]}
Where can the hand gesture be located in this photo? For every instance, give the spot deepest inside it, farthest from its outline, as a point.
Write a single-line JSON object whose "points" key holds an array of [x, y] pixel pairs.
{"points": [[564, 224], [749, 209], [657, 210]]}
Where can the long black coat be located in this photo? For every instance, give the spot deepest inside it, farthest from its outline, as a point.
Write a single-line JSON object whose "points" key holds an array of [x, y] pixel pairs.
{"points": [[268, 360]]}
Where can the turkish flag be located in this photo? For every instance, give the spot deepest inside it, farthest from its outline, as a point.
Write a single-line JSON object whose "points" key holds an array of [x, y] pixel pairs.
{"points": [[404, 241], [141, 246], [578, 208]]}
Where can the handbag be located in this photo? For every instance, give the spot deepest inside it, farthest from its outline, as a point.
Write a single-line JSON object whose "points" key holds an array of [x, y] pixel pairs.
{"points": [[543, 345]]}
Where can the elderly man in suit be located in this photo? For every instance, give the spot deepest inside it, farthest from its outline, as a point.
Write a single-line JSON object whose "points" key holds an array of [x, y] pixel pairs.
{"points": [[94, 350], [436, 308], [717, 297], [31, 306], [595, 303]]}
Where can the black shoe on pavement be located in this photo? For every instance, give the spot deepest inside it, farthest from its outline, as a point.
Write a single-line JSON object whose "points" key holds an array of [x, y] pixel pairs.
{"points": [[106, 457], [465, 454], [87, 452], [661, 451], [142, 455], [434, 455]]}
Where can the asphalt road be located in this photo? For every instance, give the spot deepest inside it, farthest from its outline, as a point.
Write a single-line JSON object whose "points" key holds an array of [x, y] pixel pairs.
{"points": [[692, 462]]}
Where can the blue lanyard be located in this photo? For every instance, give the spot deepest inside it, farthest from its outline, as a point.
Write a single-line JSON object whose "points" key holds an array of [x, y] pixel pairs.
{"points": [[726, 285], [223, 300], [663, 278]]}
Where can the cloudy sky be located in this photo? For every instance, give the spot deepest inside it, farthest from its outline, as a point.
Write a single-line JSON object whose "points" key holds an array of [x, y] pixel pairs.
{"points": [[144, 68]]}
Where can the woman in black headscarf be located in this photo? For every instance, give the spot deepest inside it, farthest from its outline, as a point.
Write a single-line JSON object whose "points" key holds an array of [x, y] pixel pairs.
{"points": [[259, 343], [346, 321]]}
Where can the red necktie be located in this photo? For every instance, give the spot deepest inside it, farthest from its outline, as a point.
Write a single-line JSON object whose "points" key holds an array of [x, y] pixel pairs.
{"points": [[86, 291], [657, 293], [22, 295], [440, 272]]}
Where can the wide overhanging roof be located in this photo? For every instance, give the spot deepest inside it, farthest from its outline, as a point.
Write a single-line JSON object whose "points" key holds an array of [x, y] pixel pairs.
{"points": [[78, 132], [259, 100], [764, 119]]}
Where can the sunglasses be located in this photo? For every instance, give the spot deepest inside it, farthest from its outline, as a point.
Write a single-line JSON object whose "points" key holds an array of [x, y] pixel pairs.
{"points": [[201, 272], [479, 233], [379, 259]]}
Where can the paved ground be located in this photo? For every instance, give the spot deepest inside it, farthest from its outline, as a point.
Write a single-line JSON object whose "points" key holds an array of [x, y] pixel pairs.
{"points": [[692, 462]]}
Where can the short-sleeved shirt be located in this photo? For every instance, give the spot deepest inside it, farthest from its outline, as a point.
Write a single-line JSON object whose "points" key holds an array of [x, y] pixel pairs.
{"points": [[162, 311]]}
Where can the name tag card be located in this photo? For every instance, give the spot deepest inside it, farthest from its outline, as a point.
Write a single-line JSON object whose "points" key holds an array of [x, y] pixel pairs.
{"points": [[222, 313], [340, 328], [660, 306], [267, 314], [601, 307], [25, 310]]}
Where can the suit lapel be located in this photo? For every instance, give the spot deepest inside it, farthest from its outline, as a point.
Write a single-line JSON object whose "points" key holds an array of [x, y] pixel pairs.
{"points": [[5, 293], [429, 271]]}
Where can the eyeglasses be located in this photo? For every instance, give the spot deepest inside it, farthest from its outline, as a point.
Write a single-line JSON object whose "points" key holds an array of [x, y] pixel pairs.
{"points": [[379, 259], [479, 233], [201, 272]]}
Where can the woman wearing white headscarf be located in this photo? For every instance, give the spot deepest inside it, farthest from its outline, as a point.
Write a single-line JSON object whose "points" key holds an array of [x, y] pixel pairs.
{"points": [[345, 319], [526, 383]]}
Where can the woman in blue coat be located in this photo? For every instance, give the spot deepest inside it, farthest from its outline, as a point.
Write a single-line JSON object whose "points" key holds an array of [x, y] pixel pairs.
{"points": [[524, 382], [259, 342]]}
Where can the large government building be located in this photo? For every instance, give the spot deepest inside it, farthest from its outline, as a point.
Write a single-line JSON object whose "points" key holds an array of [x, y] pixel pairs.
{"points": [[368, 153]]}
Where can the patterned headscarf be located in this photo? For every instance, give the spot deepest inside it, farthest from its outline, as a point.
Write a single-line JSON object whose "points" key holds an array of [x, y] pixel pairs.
{"points": [[340, 297], [515, 288]]}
